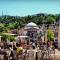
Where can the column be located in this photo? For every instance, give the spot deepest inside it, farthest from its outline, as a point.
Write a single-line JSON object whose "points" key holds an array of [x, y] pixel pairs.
{"points": [[59, 37], [0, 38]]}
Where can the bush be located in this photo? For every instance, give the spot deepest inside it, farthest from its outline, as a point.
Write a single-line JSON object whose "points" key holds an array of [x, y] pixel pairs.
{"points": [[4, 37], [11, 38], [50, 35]]}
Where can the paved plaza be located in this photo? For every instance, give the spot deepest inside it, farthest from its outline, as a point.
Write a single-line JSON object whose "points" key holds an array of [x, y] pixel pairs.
{"points": [[54, 57], [57, 55]]}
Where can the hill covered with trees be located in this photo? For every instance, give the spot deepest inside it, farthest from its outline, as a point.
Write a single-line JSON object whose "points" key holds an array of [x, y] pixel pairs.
{"points": [[16, 22]]}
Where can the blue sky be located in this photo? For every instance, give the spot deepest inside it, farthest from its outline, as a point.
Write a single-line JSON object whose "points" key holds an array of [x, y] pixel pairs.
{"points": [[29, 7]]}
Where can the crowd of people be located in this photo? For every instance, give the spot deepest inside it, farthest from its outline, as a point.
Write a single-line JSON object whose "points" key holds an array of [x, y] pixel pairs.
{"points": [[11, 50]]}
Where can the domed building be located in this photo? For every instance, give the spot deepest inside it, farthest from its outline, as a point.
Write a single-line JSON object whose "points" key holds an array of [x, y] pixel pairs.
{"points": [[32, 30]]}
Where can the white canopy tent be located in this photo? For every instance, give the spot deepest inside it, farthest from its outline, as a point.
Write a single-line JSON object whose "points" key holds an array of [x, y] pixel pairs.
{"points": [[9, 34], [22, 38]]}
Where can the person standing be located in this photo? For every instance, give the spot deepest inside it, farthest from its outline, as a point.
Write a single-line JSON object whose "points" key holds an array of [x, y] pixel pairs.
{"points": [[33, 45]]}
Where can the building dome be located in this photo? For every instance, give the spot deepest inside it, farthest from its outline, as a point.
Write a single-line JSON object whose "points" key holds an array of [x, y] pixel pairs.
{"points": [[31, 25]]}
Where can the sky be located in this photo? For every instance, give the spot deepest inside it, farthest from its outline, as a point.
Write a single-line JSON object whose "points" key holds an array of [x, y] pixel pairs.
{"points": [[29, 7]]}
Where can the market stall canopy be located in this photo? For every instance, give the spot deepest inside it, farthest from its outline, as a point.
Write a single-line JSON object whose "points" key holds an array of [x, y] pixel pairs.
{"points": [[10, 34], [23, 36], [31, 25]]}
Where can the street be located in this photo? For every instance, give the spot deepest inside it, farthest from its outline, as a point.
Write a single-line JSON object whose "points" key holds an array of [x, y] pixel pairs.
{"points": [[57, 55]]}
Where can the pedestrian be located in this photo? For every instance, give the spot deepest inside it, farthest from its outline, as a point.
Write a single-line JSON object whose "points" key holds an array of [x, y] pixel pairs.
{"points": [[48, 43], [13, 55], [33, 45]]}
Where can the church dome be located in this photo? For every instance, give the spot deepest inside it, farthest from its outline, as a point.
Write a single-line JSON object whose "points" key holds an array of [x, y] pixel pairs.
{"points": [[31, 25]]}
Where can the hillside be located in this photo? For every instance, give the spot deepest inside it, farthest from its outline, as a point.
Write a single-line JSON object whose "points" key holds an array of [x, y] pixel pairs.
{"points": [[16, 22]]}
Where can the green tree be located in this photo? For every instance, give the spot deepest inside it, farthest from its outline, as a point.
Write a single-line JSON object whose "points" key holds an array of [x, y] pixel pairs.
{"points": [[4, 37], [50, 35], [50, 20], [40, 20], [11, 26], [11, 38], [2, 27], [28, 19]]}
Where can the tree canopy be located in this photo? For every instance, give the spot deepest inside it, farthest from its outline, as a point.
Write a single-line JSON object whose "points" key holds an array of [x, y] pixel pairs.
{"points": [[50, 35], [16, 22]]}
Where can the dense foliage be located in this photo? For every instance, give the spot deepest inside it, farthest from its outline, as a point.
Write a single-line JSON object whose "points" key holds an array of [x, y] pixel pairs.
{"points": [[50, 35], [16, 22], [5, 37]]}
